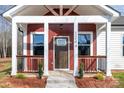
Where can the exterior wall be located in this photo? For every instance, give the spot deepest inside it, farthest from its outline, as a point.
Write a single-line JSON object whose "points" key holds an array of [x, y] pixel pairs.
{"points": [[32, 28], [116, 52], [101, 42], [91, 63], [54, 30], [91, 28]]}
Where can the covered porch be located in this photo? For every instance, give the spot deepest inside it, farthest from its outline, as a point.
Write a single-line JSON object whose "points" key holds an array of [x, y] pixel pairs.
{"points": [[93, 63]]}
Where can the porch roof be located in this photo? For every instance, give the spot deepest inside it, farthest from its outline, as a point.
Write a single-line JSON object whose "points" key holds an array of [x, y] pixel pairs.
{"points": [[28, 10]]}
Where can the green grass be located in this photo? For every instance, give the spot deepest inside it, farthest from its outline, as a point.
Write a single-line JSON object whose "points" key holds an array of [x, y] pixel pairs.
{"points": [[5, 69], [120, 77], [20, 76]]}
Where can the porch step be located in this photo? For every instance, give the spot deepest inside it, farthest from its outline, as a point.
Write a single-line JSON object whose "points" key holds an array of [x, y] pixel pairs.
{"points": [[60, 79], [61, 85]]}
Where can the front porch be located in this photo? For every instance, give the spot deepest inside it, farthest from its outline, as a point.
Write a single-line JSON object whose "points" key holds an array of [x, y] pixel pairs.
{"points": [[92, 63]]}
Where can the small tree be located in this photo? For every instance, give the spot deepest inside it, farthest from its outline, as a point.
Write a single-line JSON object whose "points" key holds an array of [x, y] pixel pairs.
{"points": [[81, 70], [40, 71]]}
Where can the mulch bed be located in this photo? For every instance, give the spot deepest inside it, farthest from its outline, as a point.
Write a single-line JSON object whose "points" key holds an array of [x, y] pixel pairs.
{"points": [[90, 82], [30, 82]]}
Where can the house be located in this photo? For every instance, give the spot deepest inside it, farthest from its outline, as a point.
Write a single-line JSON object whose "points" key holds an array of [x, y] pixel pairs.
{"points": [[62, 36]]}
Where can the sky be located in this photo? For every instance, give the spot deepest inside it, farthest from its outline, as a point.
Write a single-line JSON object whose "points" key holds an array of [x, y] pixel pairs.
{"points": [[4, 8], [120, 8]]}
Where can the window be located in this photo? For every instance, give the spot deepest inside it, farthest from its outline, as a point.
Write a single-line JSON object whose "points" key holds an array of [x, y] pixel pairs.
{"points": [[38, 44], [123, 45], [84, 44]]}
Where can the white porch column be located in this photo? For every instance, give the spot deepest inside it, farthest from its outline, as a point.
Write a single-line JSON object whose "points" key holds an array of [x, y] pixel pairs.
{"points": [[75, 49], [108, 46], [14, 48], [46, 48]]}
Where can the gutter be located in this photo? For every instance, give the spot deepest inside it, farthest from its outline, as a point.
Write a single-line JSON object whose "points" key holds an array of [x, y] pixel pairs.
{"points": [[117, 25], [113, 9]]}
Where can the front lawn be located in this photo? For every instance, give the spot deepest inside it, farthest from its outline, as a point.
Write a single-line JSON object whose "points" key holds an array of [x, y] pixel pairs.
{"points": [[17, 82], [5, 68], [120, 77]]}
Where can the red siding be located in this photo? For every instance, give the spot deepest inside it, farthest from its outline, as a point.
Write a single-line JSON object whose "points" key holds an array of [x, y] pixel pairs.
{"points": [[32, 28], [54, 30], [89, 64], [91, 28]]}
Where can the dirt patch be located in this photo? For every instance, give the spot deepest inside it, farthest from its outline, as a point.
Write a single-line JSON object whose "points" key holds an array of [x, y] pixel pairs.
{"points": [[90, 82], [32, 82], [5, 59], [1, 65]]}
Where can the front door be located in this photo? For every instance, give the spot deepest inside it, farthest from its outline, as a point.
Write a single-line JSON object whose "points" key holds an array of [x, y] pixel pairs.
{"points": [[61, 46]]}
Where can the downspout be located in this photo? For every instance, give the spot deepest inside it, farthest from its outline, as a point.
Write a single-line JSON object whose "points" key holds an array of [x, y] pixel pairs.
{"points": [[19, 29]]}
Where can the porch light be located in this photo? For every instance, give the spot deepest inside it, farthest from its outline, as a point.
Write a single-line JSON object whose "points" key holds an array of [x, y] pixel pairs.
{"points": [[61, 26]]}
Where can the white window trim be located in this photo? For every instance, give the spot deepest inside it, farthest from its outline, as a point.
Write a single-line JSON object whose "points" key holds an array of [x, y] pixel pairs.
{"points": [[31, 41], [91, 44]]}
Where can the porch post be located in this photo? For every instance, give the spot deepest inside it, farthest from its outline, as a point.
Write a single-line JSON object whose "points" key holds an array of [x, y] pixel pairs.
{"points": [[75, 49], [14, 48], [46, 48], [108, 34]]}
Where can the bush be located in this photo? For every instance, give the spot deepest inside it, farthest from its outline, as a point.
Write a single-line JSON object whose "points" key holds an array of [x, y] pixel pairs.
{"points": [[40, 71], [20, 76], [81, 70], [99, 76]]}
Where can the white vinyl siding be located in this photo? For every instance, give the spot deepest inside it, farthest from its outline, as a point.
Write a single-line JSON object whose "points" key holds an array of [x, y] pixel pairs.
{"points": [[116, 52], [101, 42]]}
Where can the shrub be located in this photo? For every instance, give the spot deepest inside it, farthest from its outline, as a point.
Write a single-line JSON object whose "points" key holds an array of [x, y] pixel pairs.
{"points": [[40, 71], [81, 70], [99, 76], [20, 76]]}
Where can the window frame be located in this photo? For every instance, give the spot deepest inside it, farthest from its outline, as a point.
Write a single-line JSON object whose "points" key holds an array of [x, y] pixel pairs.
{"points": [[91, 41], [31, 43]]}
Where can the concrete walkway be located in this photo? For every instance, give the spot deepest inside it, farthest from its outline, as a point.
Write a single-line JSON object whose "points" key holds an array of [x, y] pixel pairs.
{"points": [[60, 79]]}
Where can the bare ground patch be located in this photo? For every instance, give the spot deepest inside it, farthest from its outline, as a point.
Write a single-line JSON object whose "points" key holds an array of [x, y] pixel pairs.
{"points": [[30, 82]]}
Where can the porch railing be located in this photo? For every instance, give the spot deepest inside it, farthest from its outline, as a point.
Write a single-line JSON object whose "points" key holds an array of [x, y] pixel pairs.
{"points": [[93, 63], [29, 63]]}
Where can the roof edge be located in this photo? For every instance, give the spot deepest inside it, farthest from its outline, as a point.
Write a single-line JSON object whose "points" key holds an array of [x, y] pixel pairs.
{"points": [[114, 9], [8, 14], [111, 11]]}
